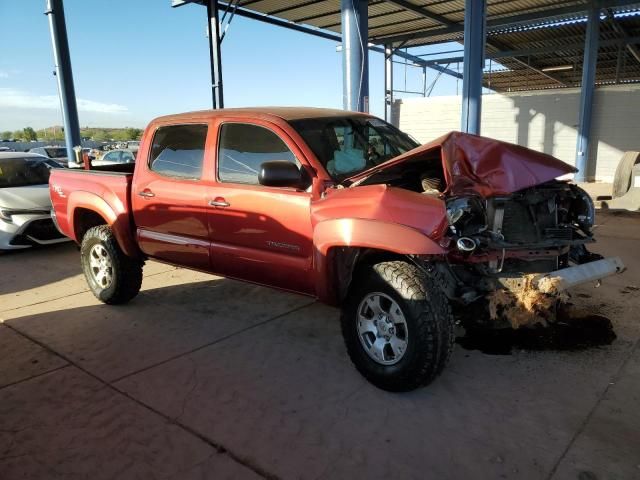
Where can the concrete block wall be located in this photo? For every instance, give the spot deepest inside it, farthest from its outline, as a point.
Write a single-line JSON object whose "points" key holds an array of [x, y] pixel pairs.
{"points": [[543, 120]]}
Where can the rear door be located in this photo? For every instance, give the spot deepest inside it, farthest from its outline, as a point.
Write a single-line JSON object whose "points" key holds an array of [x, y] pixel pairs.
{"points": [[260, 234], [169, 196]]}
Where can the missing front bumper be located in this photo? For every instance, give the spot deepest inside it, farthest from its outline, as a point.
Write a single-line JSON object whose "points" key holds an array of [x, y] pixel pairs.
{"points": [[560, 280], [532, 299]]}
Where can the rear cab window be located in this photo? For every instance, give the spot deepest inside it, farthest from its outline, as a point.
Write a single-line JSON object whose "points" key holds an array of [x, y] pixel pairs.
{"points": [[178, 151], [243, 148]]}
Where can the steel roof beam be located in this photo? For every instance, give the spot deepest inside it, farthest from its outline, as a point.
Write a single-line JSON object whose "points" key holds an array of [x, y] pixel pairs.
{"points": [[492, 43], [319, 33], [620, 30], [538, 51], [423, 12], [503, 22], [500, 47]]}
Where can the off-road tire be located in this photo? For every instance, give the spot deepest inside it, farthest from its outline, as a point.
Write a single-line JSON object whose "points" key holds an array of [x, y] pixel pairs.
{"points": [[429, 320], [623, 176], [126, 271]]}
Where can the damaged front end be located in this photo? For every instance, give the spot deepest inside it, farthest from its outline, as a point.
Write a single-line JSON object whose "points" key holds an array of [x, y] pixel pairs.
{"points": [[511, 225], [517, 254]]}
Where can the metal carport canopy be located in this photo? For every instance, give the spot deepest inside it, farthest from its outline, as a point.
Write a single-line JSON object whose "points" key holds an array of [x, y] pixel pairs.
{"points": [[537, 42], [527, 36]]}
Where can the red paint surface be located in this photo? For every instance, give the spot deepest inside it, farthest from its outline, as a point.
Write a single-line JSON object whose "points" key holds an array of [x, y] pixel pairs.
{"points": [[483, 165], [279, 236]]}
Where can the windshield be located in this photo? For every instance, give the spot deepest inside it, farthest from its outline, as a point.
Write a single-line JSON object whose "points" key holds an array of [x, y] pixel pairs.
{"points": [[347, 146], [56, 152], [22, 172]]}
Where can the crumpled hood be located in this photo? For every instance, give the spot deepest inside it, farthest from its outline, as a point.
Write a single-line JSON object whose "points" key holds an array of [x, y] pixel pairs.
{"points": [[34, 197], [483, 165]]}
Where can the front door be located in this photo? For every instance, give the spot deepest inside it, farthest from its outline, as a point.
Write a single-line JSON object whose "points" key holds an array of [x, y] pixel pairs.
{"points": [[261, 234], [170, 198]]}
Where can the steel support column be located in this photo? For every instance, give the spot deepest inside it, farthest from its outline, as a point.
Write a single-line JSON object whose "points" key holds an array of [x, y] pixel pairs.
{"points": [[585, 164], [57, 25], [355, 55], [214, 54], [388, 82], [474, 41]]}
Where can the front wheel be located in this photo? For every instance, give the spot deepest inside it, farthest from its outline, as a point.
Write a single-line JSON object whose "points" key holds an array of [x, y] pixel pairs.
{"points": [[112, 276], [397, 326]]}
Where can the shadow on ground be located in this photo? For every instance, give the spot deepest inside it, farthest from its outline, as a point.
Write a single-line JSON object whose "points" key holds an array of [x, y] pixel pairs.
{"points": [[22, 270]]}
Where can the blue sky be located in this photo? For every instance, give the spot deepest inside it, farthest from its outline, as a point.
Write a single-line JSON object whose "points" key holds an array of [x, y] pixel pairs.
{"points": [[136, 59]]}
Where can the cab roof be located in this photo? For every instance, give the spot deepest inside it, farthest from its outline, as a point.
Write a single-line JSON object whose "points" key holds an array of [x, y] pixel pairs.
{"points": [[284, 113]]}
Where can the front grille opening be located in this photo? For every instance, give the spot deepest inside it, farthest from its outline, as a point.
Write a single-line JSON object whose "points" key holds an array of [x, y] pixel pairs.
{"points": [[42, 230]]}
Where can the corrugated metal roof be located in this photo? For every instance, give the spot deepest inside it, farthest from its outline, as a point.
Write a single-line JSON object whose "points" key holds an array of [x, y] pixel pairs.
{"points": [[559, 30]]}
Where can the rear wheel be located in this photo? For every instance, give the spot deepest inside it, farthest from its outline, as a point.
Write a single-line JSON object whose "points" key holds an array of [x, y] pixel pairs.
{"points": [[397, 326], [112, 276]]}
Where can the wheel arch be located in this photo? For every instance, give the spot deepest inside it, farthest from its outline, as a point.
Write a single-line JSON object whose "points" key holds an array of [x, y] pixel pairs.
{"points": [[343, 246], [87, 210]]}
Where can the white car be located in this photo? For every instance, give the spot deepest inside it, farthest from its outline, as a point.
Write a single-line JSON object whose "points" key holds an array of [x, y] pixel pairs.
{"points": [[115, 157], [25, 205]]}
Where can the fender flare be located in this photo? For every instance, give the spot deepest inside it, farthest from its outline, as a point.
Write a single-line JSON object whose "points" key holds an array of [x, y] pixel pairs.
{"points": [[117, 220], [363, 233]]}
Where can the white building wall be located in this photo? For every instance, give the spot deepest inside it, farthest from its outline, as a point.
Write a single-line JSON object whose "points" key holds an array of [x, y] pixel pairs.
{"points": [[544, 120]]}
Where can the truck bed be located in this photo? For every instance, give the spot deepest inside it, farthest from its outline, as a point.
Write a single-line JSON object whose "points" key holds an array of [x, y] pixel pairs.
{"points": [[104, 191]]}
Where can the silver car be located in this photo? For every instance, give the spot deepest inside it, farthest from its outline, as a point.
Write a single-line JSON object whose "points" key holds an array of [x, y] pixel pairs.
{"points": [[59, 154], [25, 205], [115, 157]]}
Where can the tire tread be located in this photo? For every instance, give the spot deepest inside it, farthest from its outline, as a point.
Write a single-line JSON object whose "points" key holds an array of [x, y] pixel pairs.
{"points": [[433, 320], [127, 270]]}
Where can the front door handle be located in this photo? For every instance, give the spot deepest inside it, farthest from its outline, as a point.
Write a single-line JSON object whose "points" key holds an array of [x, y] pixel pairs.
{"points": [[219, 202], [146, 193]]}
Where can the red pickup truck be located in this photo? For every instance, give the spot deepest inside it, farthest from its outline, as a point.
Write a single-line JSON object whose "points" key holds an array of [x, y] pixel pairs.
{"points": [[346, 208]]}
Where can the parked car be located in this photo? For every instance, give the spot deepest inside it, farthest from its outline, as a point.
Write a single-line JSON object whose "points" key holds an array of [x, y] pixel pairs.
{"points": [[114, 157], [59, 154], [25, 205], [345, 208], [133, 145]]}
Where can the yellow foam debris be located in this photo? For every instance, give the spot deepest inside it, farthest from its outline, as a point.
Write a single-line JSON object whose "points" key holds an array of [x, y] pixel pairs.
{"points": [[525, 306]]}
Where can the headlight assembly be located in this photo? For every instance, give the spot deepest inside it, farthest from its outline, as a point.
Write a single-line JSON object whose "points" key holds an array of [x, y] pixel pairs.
{"points": [[584, 209], [466, 215], [5, 215]]}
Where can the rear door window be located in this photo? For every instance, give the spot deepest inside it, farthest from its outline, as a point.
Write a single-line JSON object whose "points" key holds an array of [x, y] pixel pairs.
{"points": [[178, 151], [242, 148]]}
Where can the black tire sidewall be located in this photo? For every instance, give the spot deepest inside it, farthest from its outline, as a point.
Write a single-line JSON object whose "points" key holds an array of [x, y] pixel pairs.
{"points": [[429, 325], [89, 241]]}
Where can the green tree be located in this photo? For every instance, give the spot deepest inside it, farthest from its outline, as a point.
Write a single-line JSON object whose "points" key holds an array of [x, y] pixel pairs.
{"points": [[5, 135], [100, 135], [17, 135], [119, 135], [29, 134], [133, 133]]}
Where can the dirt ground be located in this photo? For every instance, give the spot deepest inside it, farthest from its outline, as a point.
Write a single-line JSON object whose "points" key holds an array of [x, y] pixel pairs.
{"points": [[203, 377]]}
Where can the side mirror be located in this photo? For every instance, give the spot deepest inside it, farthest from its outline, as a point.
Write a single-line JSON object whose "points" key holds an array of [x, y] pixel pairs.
{"points": [[280, 173]]}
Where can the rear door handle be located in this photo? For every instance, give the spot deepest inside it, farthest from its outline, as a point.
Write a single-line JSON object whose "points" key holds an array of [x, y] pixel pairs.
{"points": [[146, 193], [219, 202]]}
